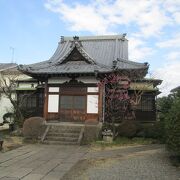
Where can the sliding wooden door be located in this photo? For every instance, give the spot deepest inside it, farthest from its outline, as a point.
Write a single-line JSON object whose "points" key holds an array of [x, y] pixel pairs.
{"points": [[73, 108]]}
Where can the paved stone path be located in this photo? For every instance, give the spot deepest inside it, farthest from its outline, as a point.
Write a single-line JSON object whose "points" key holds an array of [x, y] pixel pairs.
{"points": [[34, 162], [47, 162]]}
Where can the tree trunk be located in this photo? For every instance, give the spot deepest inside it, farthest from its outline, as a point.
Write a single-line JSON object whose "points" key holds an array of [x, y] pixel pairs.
{"points": [[18, 115]]}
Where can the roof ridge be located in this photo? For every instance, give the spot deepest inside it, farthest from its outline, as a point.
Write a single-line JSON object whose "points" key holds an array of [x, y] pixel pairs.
{"points": [[90, 38]]}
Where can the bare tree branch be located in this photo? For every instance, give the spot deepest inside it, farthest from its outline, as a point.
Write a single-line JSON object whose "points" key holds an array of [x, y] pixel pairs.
{"points": [[8, 84]]}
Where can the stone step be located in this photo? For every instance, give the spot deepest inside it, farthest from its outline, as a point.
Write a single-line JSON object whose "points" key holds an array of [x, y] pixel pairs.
{"points": [[66, 128], [60, 143], [66, 139], [58, 134], [64, 131], [66, 134]]}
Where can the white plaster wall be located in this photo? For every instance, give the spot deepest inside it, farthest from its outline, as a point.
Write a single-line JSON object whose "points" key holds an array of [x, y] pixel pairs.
{"points": [[53, 103], [92, 104], [5, 106], [27, 84]]}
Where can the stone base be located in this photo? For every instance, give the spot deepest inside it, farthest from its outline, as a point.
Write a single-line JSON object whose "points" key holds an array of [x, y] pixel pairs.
{"points": [[91, 133], [108, 139]]}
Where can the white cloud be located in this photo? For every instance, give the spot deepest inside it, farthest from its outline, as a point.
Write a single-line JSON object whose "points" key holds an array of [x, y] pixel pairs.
{"points": [[80, 17], [170, 74], [171, 5], [152, 22], [176, 17], [100, 16], [173, 56], [173, 42], [138, 50], [170, 71]]}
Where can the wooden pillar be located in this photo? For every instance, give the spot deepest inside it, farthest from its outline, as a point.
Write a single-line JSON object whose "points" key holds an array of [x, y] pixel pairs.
{"points": [[46, 100], [101, 104]]}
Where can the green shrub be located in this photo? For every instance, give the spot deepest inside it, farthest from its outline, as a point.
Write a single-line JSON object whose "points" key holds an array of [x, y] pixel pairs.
{"points": [[159, 131], [172, 126], [155, 131], [33, 127], [128, 128], [163, 106]]}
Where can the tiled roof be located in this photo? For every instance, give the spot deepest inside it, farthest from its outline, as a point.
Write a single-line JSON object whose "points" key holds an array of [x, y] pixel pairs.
{"points": [[99, 51], [126, 64], [103, 49], [67, 68], [5, 66]]}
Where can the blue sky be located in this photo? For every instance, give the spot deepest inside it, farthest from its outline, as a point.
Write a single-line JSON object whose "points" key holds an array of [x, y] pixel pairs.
{"points": [[33, 28]]}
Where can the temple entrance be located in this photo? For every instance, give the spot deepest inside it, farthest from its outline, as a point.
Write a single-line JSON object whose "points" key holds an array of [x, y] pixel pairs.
{"points": [[73, 103], [72, 108]]}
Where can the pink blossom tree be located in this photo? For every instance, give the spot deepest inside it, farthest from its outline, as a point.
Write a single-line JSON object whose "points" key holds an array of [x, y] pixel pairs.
{"points": [[117, 100]]}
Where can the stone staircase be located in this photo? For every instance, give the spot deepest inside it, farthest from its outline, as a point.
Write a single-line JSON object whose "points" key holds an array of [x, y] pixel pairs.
{"points": [[63, 134]]}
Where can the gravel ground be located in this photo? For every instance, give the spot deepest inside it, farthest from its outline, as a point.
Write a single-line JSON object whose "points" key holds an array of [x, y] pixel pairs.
{"points": [[145, 164]]}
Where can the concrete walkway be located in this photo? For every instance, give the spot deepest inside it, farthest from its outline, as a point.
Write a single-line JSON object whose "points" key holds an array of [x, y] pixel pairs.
{"points": [[34, 162], [48, 162]]}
